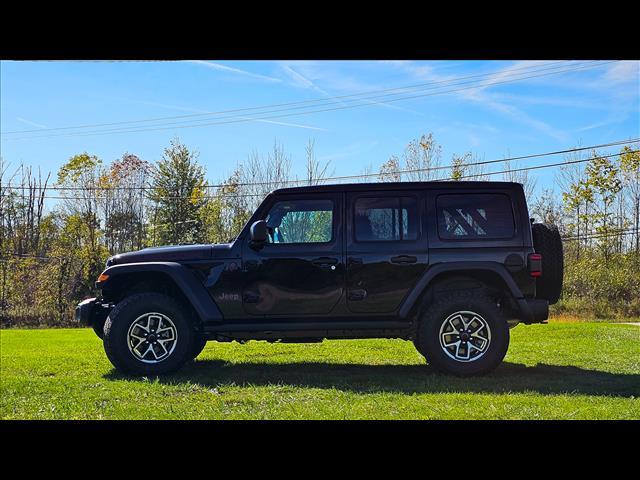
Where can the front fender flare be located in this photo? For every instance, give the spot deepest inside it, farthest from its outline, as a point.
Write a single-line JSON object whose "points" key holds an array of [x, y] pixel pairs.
{"points": [[185, 280]]}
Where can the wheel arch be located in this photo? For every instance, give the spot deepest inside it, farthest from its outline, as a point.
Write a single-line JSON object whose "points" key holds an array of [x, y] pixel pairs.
{"points": [[167, 278], [458, 276]]}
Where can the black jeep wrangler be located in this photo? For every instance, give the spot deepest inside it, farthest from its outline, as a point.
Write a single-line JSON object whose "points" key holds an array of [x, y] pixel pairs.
{"points": [[451, 266]]}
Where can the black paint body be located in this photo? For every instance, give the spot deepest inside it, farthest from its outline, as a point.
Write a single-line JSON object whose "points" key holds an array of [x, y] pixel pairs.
{"points": [[342, 288]]}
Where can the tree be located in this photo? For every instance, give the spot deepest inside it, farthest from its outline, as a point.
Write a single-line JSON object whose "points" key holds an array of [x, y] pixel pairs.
{"points": [[522, 176], [421, 156], [390, 171], [79, 181], [316, 172], [124, 203], [262, 174], [226, 213], [178, 191], [630, 169], [458, 166], [604, 183]]}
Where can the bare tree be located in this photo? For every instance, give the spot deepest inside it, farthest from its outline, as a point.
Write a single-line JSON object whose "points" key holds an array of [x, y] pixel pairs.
{"points": [[390, 171], [316, 172], [522, 176], [421, 156], [261, 175]]}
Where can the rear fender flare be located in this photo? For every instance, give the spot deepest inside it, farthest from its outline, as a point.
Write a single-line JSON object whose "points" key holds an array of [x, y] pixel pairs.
{"points": [[461, 267]]}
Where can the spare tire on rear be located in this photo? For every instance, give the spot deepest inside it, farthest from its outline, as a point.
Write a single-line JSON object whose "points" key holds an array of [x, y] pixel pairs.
{"points": [[547, 241]]}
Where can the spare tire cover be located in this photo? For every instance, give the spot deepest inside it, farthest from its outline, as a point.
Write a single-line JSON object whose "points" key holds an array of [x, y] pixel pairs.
{"points": [[547, 241]]}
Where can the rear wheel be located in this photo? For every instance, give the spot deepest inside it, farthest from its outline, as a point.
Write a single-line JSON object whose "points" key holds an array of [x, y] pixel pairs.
{"points": [[464, 334], [148, 334]]}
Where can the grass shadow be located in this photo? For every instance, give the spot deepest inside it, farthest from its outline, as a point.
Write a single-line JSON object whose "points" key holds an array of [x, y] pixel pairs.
{"points": [[406, 379]]}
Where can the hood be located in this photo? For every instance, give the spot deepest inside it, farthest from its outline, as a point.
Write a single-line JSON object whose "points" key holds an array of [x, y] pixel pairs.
{"points": [[172, 253]]}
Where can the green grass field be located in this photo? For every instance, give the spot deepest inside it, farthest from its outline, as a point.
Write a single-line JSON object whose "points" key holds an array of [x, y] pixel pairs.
{"points": [[555, 371]]}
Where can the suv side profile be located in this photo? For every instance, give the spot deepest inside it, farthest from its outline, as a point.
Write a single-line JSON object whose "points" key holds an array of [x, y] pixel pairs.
{"points": [[451, 266]]}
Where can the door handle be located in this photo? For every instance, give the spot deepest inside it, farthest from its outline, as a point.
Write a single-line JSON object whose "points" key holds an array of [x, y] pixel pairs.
{"points": [[324, 261], [404, 259], [357, 294]]}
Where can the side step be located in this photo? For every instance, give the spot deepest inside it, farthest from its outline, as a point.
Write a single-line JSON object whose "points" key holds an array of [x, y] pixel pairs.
{"points": [[306, 330]]}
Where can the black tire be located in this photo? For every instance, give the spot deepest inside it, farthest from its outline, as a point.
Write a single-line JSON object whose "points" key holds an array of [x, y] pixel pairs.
{"points": [[98, 327], [547, 241], [199, 342], [436, 321], [119, 325]]}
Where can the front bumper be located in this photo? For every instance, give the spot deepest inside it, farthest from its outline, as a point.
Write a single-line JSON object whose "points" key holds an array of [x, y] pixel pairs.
{"points": [[92, 310]]}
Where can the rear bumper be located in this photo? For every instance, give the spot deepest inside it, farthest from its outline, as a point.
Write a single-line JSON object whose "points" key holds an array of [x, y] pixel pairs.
{"points": [[91, 310], [533, 310]]}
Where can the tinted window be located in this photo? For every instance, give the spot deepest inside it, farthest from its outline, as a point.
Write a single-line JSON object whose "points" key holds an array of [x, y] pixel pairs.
{"points": [[468, 216], [301, 221], [385, 219]]}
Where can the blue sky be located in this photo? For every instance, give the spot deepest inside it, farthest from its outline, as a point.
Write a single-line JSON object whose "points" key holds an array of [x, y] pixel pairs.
{"points": [[545, 113]]}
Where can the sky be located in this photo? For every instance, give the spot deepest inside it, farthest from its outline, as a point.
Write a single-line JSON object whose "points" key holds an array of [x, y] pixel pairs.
{"points": [[489, 108]]}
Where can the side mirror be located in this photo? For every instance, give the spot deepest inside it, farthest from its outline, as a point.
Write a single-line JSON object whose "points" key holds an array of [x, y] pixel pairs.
{"points": [[259, 234]]}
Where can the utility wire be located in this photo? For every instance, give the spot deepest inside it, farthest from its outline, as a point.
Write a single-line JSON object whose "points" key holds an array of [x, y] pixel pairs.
{"points": [[270, 117], [359, 176], [317, 100], [476, 175]]}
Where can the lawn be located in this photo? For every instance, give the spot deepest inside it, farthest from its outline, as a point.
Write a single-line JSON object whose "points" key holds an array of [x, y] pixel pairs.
{"points": [[554, 371]]}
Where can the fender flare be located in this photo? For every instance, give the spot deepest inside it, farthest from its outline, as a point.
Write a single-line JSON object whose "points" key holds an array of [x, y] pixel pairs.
{"points": [[462, 267], [193, 290]]}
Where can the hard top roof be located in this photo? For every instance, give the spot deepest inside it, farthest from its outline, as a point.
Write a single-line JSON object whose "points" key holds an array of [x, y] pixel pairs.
{"points": [[382, 186]]}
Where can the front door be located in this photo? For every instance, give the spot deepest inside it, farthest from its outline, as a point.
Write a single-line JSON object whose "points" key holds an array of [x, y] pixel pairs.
{"points": [[300, 271], [386, 250]]}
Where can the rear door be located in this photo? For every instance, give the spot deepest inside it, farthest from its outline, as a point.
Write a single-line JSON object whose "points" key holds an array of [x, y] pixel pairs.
{"points": [[386, 249]]}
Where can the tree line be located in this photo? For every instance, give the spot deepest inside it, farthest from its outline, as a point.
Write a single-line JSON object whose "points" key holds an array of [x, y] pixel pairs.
{"points": [[56, 232]]}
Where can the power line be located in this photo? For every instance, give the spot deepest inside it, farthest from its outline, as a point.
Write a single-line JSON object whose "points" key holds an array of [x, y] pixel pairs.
{"points": [[270, 117], [536, 167], [597, 235], [317, 100], [476, 175], [366, 175]]}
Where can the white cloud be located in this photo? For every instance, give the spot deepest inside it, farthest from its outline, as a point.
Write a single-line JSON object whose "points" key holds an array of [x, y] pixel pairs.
{"points": [[29, 122], [307, 75], [213, 117], [300, 80], [623, 72], [286, 124], [226, 68]]}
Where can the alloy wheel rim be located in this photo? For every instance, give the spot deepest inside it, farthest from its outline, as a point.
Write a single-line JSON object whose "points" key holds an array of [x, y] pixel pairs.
{"points": [[152, 337], [465, 336]]}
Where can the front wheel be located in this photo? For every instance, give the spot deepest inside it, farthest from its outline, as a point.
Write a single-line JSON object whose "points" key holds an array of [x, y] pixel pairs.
{"points": [[199, 342], [463, 334], [148, 334]]}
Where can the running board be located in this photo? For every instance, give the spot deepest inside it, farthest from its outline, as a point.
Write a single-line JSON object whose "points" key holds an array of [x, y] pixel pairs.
{"points": [[267, 331]]}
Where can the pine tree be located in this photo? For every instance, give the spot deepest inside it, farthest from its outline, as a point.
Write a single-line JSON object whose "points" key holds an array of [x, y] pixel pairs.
{"points": [[178, 191]]}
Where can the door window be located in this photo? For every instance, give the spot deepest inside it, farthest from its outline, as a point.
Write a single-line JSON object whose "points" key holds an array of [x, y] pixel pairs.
{"points": [[385, 219], [301, 221]]}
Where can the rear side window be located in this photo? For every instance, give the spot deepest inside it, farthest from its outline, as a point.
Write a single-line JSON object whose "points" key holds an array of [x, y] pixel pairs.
{"points": [[474, 216], [385, 219]]}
